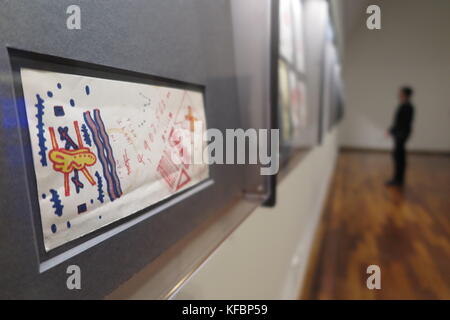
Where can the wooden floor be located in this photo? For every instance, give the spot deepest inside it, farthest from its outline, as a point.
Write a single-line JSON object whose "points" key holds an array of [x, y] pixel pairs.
{"points": [[405, 232]]}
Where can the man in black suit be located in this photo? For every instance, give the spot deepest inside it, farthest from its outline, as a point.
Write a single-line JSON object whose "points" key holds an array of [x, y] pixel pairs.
{"points": [[400, 132]]}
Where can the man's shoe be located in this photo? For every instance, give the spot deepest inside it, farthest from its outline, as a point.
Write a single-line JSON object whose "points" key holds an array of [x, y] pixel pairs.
{"points": [[394, 183]]}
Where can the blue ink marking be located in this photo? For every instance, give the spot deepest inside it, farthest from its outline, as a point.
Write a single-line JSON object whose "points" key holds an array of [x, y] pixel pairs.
{"points": [[102, 157], [59, 111], [64, 136], [101, 194], [92, 201], [76, 181], [99, 217], [72, 102], [82, 208], [59, 85], [53, 227], [111, 162], [68, 224], [86, 136], [88, 90], [41, 130], [49, 94], [44, 196], [56, 203]]}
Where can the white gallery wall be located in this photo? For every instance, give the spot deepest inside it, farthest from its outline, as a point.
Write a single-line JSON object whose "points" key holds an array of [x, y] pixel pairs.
{"points": [[413, 48]]}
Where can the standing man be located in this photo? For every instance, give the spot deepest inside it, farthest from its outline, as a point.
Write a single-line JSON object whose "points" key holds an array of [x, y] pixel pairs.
{"points": [[400, 132]]}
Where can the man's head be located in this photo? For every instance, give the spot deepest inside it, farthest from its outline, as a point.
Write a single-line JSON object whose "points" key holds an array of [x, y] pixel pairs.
{"points": [[405, 94]]}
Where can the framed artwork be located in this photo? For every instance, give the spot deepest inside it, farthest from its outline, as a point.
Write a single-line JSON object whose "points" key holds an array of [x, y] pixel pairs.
{"points": [[300, 115], [286, 30], [294, 117], [284, 101], [86, 175], [297, 13], [105, 149]]}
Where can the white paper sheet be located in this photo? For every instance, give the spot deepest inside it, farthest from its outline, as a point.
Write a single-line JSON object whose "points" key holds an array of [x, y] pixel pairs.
{"points": [[102, 149], [286, 31], [297, 12], [299, 114], [284, 100]]}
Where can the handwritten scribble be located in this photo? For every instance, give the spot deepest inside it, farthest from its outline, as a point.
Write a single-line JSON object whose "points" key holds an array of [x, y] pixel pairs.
{"points": [[149, 101]]}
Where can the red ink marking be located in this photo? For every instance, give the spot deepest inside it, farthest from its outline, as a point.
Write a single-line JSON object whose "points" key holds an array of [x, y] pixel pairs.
{"points": [[146, 146], [140, 158], [77, 130], [167, 169], [126, 160], [174, 140], [183, 180], [178, 142], [190, 118]]}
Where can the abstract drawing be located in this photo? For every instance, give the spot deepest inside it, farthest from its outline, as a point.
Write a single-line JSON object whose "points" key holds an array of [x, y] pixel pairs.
{"points": [[105, 154], [66, 161], [122, 147]]}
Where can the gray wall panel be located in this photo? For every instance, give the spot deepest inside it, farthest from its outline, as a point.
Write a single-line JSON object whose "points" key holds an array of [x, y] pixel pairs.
{"points": [[185, 40]]}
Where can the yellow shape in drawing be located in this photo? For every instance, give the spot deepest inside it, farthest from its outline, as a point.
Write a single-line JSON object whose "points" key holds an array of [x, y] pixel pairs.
{"points": [[67, 160]]}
